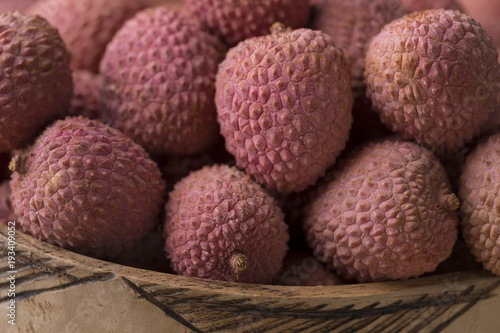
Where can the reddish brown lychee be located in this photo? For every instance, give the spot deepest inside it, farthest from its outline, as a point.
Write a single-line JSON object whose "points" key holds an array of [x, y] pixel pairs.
{"points": [[235, 21], [222, 225], [158, 82], [284, 106], [433, 76], [86, 26], [35, 80], [479, 189], [86, 187], [352, 24], [386, 212]]}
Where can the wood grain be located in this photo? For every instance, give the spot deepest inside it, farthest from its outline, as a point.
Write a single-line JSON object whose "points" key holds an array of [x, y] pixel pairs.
{"points": [[61, 291]]}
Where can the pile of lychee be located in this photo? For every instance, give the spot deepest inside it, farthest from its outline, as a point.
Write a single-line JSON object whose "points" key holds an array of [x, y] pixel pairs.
{"points": [[289, 142]]}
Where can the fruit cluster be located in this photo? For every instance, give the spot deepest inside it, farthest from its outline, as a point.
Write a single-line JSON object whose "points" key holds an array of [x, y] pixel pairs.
{"points": [[305, 142]]}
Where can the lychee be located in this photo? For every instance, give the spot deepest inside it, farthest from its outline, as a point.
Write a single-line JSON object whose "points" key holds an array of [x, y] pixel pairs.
{"points": [[284, 106], [385, 213], [235, 21], [222, 225], [86, 26], [86, 187], [352, 24], [479, 189], [433, 77], [486, 12], [158, 82], [35, 80]]}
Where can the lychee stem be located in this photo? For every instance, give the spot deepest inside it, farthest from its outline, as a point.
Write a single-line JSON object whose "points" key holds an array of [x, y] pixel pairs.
{"points": [[278, 27], [239, 263], [450, 202], [18, 164]]}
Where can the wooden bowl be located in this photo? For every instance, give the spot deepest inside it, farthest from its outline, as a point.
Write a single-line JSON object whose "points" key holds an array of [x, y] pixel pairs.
{"points": [[60, 291]]}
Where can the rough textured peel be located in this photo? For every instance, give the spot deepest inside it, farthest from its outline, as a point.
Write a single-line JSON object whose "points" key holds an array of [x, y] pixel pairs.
{"points": [[86, 187], [235, 21], [222, 225], [86, 26], [158, 82], [433, 77], [385, 212], [479, 188], [284, 106], [35, 78], [352, 24]]}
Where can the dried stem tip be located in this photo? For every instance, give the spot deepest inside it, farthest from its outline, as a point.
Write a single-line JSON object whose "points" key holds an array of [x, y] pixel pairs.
{"points": [[239, 263], [450, 202], [279, 27], [18, 164]]}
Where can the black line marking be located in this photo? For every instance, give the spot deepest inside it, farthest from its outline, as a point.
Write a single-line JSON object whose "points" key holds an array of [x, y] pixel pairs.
{"points": [[42, 265], [91, 279], [38, 275], [174, 315], [18, 267], [336, 318], [362, 323], [27, 279], [484, 294], [436, 312], [310, 324], [400, 322], [283, 322], [403, 320]]}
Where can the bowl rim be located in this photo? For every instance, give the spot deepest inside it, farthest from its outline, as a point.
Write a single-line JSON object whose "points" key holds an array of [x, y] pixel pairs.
{"points": [[26, 243]]}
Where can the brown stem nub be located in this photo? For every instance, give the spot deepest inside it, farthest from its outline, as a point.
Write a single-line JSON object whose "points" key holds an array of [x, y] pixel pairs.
{"points": [[18, 164], [239, 263], [279, 27], [450, 202]]}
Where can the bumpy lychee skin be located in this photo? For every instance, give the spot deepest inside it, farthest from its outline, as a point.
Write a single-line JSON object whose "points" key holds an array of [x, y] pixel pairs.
{"points": [[479, 188], [235, 21], [158, 82], [419, 5], [85, 100], [284, 106], [386, 213], [352, 24], [36, 78], [487, 13], [222, 225], [433, 77], [86, 187], [86, 26]]}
